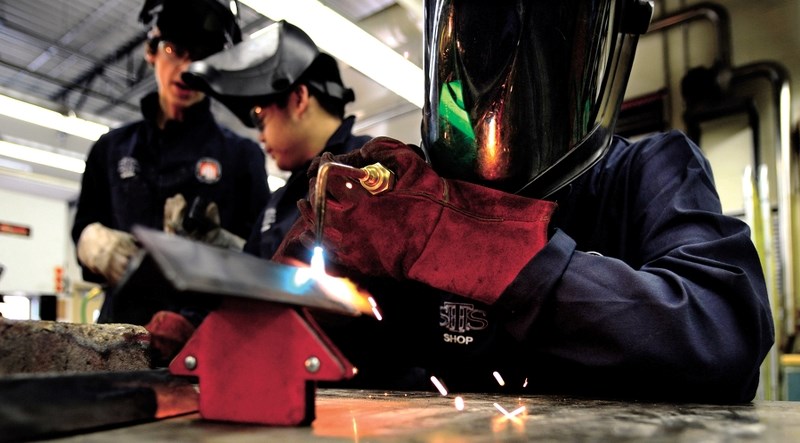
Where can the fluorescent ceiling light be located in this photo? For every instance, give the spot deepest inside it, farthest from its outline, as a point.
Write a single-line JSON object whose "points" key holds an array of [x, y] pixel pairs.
{"points": [[344, 40], [51, 119], [24, 167], [41, 157]]}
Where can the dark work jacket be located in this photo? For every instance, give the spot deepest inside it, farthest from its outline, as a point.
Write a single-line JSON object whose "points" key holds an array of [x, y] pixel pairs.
{"points": [[132, 170], [281, 211], [644, 290]]}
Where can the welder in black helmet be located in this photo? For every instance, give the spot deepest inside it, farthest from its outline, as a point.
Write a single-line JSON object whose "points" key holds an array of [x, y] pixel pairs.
{"points": [[280, 83], [533, 243], [177, 159]]}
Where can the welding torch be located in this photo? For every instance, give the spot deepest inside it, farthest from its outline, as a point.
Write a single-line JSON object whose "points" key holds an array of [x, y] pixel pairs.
{"points": [[375, 178]]}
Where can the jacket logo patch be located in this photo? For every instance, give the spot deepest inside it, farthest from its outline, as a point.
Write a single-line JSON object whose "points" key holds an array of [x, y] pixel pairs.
{"points": [[127, 167], [208, 170]]}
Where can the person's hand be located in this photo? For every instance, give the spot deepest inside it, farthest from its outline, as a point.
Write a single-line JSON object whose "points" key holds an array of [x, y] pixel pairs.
{"points": [[174, 212], [455, 236], [106, 251], [204, 227]]}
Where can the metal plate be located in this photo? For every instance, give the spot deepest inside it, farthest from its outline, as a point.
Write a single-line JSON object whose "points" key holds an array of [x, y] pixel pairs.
{"points": [[194, 267]]}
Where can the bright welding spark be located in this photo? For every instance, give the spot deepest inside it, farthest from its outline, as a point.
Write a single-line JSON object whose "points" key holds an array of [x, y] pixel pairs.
{"points": [[517, 411], [316, 271], [525, 384], [459, 404], [499, 378], [439, 385], [302, 276], [355, 429], [339, 289], [375, 309], [501, 409], [318, 263], [509, 414]]}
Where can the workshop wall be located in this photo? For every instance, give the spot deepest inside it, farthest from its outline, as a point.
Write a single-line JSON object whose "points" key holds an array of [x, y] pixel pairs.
{"points": [[30, 260]]}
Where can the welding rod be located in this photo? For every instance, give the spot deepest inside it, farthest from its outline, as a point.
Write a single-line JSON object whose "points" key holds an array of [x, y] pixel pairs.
{"points": [[375, 178]]}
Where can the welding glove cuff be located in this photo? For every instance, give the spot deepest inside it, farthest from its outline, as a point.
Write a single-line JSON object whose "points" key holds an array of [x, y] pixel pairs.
{"points": [[106, 251], [452, 235]]}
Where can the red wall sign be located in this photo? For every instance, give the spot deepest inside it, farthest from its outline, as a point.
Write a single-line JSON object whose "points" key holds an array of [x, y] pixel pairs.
{"points": [[8, 228]]}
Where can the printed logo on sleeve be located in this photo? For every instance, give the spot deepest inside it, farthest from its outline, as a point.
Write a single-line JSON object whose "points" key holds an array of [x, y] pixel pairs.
{"points": [[460, 319]]}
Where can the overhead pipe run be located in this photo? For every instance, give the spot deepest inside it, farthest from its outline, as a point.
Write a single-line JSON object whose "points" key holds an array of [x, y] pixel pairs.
{"points": [[780, 88], [716, 14]]}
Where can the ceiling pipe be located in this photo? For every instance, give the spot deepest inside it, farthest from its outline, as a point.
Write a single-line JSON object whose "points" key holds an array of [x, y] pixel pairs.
{"points": [[121, 52], [781, 97], [716, 14]]}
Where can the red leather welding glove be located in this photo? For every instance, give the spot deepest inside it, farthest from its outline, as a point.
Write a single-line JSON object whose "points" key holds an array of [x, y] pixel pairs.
{"points": [[452, 235], [169, 331]]}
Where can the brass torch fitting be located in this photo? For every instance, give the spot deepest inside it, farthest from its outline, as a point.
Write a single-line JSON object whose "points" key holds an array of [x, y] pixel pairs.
{"points": [[375, 178], [379, 178]]}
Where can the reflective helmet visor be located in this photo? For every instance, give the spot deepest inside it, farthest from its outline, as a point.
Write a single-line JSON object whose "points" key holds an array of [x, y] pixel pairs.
{"points": [[522, 95]]}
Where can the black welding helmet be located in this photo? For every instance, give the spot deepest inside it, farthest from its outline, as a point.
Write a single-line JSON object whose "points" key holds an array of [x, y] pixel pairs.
{"points": [[257, 71], [522, 95], [203, 27]]}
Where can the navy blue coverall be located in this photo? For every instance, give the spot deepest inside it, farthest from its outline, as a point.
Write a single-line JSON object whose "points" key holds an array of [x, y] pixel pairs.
{"points": [[132, 170]]}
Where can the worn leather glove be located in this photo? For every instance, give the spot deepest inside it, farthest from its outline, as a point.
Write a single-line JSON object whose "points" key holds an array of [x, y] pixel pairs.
{"points": [[106, 251], [452, 235], [169, 331], [207, 230], [174, 212]]}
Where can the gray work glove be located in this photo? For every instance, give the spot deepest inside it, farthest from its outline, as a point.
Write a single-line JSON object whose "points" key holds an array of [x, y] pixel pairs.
{"points": [[175, 209], [106, 251]]}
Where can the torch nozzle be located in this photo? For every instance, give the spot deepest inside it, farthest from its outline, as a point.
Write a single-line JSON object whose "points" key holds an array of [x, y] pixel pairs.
{"points": [[375, 178]]}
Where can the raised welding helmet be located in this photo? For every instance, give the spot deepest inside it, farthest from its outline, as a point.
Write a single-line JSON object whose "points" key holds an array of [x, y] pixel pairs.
{"points": [[203, 27], [258, 71], [522, 95]]}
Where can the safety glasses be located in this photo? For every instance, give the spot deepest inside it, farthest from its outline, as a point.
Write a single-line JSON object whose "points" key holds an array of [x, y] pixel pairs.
{"points": [[258, 115], [176, 53]]}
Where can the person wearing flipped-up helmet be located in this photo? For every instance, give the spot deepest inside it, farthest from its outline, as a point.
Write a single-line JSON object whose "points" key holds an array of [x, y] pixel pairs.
{"points": [[152, 172], [280, 83], [532, 242]]}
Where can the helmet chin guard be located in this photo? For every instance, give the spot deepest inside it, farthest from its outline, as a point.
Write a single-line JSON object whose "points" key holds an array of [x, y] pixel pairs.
{"points": [[522, 95]]}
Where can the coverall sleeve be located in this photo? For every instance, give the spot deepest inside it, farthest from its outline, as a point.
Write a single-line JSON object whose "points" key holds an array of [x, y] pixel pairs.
{"points": [[257, 187], [94, 201], [681, 313]]}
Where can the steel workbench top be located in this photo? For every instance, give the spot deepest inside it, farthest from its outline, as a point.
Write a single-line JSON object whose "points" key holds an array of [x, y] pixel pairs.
{"points": [[357, 415]]}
